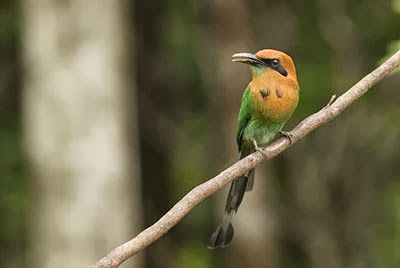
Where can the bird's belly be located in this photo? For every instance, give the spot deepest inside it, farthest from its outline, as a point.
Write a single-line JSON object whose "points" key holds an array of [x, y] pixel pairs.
{"points": [[261, 131]]}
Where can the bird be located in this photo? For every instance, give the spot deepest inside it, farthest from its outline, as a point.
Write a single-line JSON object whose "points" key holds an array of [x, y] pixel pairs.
{"points": [[268, 102]]}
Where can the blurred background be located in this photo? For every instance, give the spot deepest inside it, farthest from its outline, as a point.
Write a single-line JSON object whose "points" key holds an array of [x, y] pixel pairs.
{"points": [[111, 111]]}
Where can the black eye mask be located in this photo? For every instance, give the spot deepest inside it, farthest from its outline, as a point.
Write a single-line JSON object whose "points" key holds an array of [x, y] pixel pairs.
{"points": [[274, 64]]}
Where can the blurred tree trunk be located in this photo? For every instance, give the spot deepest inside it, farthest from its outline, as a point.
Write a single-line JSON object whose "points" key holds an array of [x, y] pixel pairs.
{"points": [[80, 137]]}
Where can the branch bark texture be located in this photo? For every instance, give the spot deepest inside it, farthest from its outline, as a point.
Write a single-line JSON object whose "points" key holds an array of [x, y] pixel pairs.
{"points": [[206, 189]]}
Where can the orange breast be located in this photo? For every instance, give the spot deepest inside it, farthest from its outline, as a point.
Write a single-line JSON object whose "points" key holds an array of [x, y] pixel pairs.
{"points": [[275, 96]]}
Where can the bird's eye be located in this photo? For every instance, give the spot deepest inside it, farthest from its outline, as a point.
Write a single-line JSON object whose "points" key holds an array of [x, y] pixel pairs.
{"points": [[275, 62]]}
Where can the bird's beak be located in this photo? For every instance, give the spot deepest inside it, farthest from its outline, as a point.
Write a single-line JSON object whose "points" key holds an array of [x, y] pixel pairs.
{"points": [[247, 58]]}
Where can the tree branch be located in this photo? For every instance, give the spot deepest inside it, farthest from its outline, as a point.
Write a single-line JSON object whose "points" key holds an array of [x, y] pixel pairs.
{"points": [[204, 190]]}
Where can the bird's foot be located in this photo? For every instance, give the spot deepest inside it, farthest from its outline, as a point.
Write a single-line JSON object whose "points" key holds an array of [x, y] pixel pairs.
{"points": [[258, 149], [287, 135]]}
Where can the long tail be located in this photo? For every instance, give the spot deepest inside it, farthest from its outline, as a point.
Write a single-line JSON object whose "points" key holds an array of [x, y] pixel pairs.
{"points": [[224, 233]]}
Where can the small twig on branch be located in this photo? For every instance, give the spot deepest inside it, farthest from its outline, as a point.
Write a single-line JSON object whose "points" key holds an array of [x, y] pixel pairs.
{"points": [[331, 101], [204, 190]]}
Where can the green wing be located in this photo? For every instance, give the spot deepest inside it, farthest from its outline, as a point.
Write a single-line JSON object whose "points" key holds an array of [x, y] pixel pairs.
{"points": [[244, 117]]}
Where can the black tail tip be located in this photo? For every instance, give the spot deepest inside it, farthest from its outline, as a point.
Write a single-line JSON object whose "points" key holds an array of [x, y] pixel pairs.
{"points": [[221, 237]]}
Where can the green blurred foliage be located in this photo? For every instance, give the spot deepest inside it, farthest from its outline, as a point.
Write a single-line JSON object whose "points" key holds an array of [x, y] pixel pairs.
{"points": [[14, 193], [396, 6], [394, 45], [192, 256]]}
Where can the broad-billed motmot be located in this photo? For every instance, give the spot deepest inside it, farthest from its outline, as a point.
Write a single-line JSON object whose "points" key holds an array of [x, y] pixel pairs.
{"points": [[267, 104]]}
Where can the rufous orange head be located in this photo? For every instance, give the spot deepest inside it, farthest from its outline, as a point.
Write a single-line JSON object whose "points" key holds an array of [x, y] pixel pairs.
{"points": [[268, 59]]}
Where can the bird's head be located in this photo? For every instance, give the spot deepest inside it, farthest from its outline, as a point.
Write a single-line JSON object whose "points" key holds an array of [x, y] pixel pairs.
{"points": [[266, 60]]}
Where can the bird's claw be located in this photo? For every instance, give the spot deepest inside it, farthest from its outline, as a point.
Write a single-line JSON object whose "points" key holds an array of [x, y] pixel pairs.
{"points": [[258, 149], [287, 135]]}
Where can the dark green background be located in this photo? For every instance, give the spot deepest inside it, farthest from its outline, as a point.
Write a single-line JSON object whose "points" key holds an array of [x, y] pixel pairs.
{"points": [[180, 49]]}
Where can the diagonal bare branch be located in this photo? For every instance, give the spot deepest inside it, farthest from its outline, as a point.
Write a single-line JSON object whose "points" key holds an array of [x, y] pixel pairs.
{"points": [[206, 189]]}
